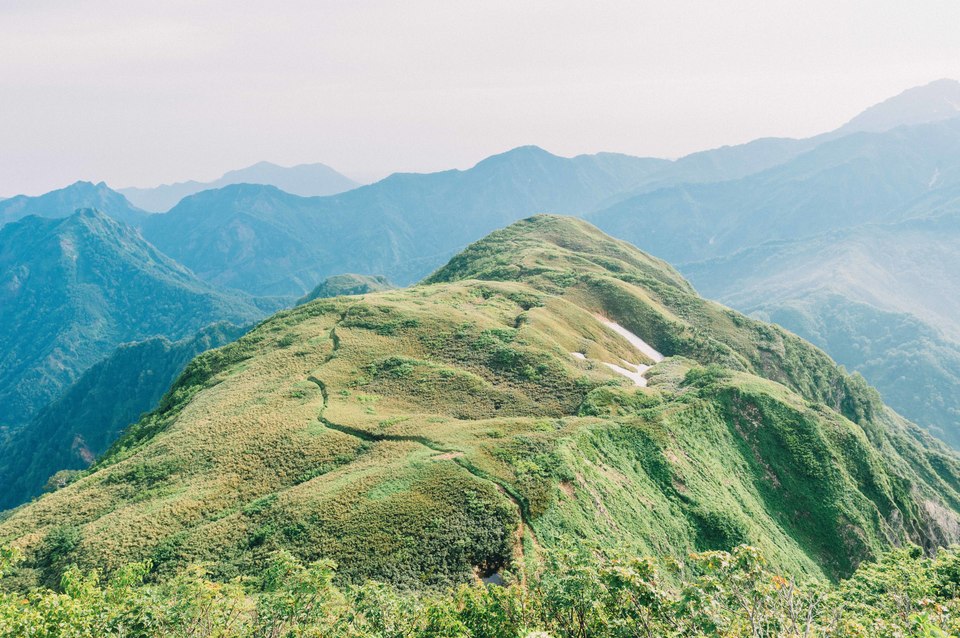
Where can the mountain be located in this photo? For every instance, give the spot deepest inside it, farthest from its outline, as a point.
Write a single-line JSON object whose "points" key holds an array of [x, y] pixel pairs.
{"points": [[852, 245], [861, 178], [73, 430], [932, 102], [881, 298], [549, 384], [63, 203], [304, 179], [264, 241], [73, 289], [347, 284]]}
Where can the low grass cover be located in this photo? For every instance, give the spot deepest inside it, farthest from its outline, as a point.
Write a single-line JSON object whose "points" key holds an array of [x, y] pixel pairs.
{"points": [[427, 438]]}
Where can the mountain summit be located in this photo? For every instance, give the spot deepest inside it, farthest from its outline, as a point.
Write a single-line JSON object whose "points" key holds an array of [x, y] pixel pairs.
{"points": [[63, 202], [549, 383], [932, 102]]}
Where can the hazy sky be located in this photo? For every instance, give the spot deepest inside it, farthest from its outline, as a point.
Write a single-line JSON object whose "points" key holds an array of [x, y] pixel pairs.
{"points": [[142, 92]]}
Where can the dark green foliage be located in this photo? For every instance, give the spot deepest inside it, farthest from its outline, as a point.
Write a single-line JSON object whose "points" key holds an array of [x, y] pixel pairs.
{"points": [[77, 428], [581, 593], [74, 289], [716, 529]]}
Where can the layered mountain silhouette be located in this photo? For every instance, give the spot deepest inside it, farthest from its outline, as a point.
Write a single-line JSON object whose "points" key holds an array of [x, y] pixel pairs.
{"points": [[267, 242], [73, 289], [63, 202], [304, 179]]}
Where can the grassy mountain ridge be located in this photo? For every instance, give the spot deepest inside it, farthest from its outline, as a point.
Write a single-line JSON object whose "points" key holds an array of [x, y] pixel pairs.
{"points": [[73, 289], [427, 435]]}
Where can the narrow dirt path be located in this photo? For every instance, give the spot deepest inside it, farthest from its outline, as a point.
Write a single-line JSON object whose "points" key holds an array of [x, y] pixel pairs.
{"points": [[446, 453]]}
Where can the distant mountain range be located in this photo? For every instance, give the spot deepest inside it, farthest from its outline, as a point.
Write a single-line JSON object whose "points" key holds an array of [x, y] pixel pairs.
{"points": [[73, 289], [264, 241], [65, 201], [305, 180]]}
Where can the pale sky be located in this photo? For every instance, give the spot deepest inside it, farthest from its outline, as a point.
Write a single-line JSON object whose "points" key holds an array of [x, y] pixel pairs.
{"points": [[137, 93]]}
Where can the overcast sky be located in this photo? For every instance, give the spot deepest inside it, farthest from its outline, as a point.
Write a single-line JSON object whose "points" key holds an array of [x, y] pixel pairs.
{"points": [[143, 92]]}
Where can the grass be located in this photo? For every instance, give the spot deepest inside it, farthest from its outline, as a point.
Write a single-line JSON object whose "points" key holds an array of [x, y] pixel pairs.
{"points": [[415, 436]]}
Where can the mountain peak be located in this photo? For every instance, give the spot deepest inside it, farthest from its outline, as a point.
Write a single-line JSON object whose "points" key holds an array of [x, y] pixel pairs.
{"points": [[534, 247], [64, 202], [933, 102], [519, 154]]}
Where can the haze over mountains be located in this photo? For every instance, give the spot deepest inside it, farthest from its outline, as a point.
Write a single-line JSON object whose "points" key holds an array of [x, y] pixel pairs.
{"points": [[63, 202], [846, 238], [73, 289], [304, 180]]}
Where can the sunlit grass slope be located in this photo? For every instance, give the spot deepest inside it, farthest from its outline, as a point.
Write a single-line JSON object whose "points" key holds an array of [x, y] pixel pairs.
{"points": [[443, 432]]}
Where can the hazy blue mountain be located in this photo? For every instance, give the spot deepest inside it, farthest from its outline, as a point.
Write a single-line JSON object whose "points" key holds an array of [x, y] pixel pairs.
{"points": [[932, 102], [79, 426], [856, 179], [73, 289], [851, 243], [265, 241], [305, 180], [346, 285], [63, 203], [915, 367], [881, 298]]}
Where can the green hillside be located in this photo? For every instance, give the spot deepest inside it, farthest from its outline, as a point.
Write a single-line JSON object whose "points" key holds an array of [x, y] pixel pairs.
{"points": [[882, 299], [461, 427], [74, 429]]}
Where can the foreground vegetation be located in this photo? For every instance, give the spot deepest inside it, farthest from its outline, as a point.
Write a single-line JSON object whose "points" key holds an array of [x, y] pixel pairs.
{"points": [[580, 593]]}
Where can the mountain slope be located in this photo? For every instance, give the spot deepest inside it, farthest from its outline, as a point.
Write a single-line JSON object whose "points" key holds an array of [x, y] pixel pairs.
{"points": [[73, 289], [881, 298], [932, 102], [63, 202], [305, 180], [866, 177], [264, 241], [457, 428], [70, 432]]}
